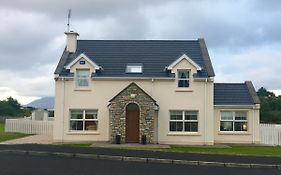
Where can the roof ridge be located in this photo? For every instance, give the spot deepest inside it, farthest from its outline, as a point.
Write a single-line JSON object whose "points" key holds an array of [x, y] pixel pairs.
{"points": [[139, 40]]}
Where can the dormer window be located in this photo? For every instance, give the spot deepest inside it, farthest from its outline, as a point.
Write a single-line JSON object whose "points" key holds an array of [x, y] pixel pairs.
{"points": [[183, 78], [134, 68], [82, 78]]}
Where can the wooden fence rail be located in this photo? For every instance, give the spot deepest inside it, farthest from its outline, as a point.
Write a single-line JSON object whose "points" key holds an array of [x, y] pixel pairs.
{"points": [[29, 126], [270, 134]]}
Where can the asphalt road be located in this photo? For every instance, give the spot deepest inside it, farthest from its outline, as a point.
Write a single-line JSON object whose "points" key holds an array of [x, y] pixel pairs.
{"points": [[152, 154], [15, 164]]}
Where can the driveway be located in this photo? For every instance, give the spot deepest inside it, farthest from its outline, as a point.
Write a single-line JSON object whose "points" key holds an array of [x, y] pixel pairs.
{"points": [[34, 139]]}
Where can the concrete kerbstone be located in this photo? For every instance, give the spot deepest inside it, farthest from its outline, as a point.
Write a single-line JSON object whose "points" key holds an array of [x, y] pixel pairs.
{"points": [[237, 165], [87, 156], [185, 162], [134, 159], [217, 164], [264, 166], [156, 160], [109, 157], [61, 154]]}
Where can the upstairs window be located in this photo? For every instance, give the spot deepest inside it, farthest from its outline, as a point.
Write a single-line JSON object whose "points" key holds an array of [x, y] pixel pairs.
{"points": [[183, 78], [134, 68], [82, 78]]}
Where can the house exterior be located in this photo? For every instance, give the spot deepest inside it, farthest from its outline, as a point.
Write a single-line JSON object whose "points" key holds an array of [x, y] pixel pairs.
{"points": [[162, 90]]}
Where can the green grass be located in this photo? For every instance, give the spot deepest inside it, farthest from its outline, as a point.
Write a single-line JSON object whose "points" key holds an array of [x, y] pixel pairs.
{"points": [[228, 150], [78, 145], [9, 136]]}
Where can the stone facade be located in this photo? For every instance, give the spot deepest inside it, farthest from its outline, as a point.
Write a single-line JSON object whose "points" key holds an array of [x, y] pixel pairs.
{"points": [[147, 106]]}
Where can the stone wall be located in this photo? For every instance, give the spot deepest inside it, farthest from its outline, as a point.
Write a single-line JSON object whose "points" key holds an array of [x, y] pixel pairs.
{"points": [[132, 94]]}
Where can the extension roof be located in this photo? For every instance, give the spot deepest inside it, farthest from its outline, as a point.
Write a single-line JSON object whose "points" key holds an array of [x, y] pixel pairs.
{"points": [[155, 56], [235, 94]]}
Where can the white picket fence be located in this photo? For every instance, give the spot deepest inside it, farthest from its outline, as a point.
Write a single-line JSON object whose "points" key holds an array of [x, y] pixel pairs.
{"points": [[270, 134], [29, 126]]}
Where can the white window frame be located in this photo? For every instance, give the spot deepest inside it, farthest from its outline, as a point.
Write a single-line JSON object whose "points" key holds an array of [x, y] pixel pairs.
{"points": [[184, 120], [83, 119], [82, 78], [183, 79], [233, 120]]}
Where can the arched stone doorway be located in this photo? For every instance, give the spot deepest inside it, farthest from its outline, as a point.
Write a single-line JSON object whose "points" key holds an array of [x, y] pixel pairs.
{"points": [[132, 107], [132, 123]]}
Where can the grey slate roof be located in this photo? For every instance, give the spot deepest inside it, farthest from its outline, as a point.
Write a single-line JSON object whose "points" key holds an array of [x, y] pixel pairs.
{"points": [[235, 94], [155, 55]]}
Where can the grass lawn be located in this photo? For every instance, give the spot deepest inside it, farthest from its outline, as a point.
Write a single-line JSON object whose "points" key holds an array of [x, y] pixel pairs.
{"points": [[9, 136], [231, 150]]}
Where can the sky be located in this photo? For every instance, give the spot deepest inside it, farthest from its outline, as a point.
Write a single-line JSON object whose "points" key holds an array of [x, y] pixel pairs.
{"points": [[243, 36]]}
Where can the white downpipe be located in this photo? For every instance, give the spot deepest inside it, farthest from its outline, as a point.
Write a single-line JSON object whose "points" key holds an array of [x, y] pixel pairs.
{"points": [[63, 107], [253, 125], [205, 113]]}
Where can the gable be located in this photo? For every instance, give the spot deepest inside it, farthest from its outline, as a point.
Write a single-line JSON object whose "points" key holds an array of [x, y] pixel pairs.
{"points": [[133, 90], [180, 59], [82, 58]]}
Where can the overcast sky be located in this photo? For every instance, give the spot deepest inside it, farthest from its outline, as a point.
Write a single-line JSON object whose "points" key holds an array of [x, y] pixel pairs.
{"points": [[243, 37]]}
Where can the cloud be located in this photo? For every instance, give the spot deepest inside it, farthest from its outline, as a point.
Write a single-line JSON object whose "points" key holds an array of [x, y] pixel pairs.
{"points": [[259, 64], [243, 37]]}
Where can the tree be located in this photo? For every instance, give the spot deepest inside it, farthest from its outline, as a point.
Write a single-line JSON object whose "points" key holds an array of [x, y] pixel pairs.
{"points": [[12, 108], [270, 106]]}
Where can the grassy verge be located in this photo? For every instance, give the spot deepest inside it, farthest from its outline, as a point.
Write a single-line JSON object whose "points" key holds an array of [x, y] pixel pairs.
{"points": [[9, 136], [78, 145], [273, 151]]}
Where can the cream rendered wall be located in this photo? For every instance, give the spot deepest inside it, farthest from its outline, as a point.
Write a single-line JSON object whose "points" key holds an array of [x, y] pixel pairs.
{"points": [[165, 92], [238, 137]]}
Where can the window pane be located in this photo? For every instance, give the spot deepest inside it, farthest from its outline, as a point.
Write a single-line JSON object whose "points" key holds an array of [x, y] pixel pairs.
{"points": [[134, 68], [226, 115], [183, 83], [226, 126], [83, 78], [83, 82], [91, 115], [191, 126], [240, 126], [176, 126], [83, 73], [76, 115], [176, 115], [183, 74], [91, 125], [190, 115], [240, 116], [76, 125]]}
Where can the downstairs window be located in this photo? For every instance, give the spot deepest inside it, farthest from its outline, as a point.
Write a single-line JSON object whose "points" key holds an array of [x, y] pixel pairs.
{"points": [[83, 120]]}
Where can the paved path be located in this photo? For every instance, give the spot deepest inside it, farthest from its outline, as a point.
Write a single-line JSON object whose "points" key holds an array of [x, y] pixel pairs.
{"points": [[34, 139]]}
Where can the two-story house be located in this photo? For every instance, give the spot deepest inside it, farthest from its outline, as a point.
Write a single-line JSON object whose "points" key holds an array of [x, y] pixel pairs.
{"points": [[163, 90]]}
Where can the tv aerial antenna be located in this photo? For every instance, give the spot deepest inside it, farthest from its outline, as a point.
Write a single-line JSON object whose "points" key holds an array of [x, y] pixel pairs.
{"points": [[68, 20]]}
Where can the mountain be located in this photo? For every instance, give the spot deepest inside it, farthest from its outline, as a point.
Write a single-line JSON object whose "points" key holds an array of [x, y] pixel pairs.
{"points": [[43, 103]]}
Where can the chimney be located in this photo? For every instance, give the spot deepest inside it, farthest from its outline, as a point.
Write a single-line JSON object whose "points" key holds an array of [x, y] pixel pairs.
{"points": [[71, 41]]}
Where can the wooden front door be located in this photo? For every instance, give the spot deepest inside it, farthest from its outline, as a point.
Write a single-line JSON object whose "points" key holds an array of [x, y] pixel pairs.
{"points": [[132, 123]]}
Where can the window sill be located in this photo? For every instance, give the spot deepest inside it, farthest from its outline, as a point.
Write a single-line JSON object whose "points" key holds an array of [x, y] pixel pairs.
{"points": [[183, 134], [234, 133], [82, 89], [183, 90], [83, 133]]}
